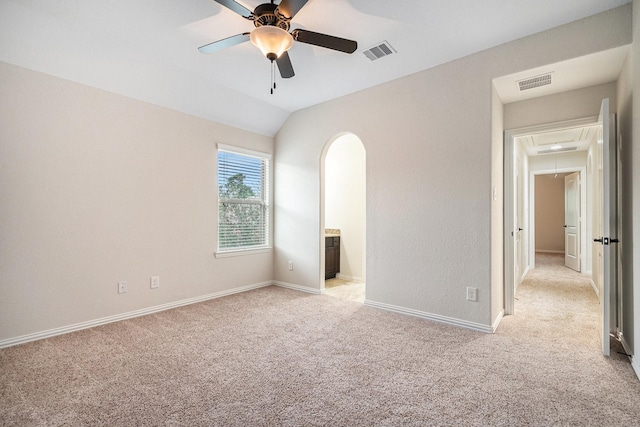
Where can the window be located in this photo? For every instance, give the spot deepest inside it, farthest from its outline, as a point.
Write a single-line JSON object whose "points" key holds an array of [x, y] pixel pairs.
{"points": [[243, 200]]}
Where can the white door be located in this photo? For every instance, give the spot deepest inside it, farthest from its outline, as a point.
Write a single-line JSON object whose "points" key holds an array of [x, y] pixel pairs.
{"points": [[608, 227], [572, 221]]}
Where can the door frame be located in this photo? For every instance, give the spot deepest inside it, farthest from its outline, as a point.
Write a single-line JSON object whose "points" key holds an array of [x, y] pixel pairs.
{"points": [[322, 205], [582, 171], [509, 199]]}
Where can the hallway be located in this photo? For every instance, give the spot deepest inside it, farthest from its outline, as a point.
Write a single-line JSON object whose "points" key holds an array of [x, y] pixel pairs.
{"points": [[558, 306]]}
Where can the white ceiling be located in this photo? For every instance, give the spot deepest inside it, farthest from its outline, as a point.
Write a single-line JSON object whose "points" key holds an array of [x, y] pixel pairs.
{"points": [[147, 49], [562, 140]]}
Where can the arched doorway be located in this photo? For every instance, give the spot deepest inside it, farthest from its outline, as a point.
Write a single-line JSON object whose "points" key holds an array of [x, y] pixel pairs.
{"points": [[343, 217]]}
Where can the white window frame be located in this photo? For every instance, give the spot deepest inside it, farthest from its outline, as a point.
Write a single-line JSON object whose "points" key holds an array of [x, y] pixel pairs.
{"points": [[266, 201]]}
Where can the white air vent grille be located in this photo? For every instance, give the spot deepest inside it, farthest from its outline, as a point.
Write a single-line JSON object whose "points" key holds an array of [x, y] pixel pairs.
{"points": [[379, 51], [557, 151], [534, 82]]}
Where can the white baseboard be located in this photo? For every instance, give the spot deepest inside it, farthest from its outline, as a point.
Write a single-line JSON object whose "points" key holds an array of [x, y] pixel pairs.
{"points": [[297, 287], [544, 251], [124, 316], [349, 278], [496, 322], [430, 316], [595, 288], [635, 365]]}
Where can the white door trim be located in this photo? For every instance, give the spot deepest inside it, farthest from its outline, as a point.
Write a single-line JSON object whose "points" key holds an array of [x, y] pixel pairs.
{"points": [[582, 170]]}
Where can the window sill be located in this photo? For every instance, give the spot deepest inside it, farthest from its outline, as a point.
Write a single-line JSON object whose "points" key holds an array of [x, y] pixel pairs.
{"points": [[241, 252]]}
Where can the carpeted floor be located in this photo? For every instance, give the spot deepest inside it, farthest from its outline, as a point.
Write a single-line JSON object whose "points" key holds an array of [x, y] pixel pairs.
{"points": [[274, 357]]}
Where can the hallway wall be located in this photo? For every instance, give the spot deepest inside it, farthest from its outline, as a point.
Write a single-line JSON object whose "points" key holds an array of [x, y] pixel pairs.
{"points": [[632, 210]]}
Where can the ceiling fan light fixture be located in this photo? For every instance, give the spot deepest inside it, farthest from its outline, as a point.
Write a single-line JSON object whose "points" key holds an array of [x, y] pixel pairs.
{"points": [[272, 41]]}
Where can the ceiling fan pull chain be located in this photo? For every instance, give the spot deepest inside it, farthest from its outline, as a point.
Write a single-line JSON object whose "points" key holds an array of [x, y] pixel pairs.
{"points": [[273, 77]]}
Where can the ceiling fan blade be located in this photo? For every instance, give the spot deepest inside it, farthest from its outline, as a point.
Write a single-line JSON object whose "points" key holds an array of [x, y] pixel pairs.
{"points": [[236, 7], [324, 40], [289, 8], [224, 43], [285, 67]]}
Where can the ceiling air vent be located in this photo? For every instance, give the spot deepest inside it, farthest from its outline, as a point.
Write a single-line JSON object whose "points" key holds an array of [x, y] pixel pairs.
{"points": [[558, 150], [379, 51], [534, 82]]}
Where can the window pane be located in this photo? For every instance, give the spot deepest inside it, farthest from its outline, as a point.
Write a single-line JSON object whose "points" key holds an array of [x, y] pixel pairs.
{"points": [[242, 225], [243, 220], [240, 177]]}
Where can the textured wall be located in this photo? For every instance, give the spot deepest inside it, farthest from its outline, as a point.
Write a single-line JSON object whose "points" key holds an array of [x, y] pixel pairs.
{"points": [[96, 188], [634, 73], [497, 206], [430, 164]]}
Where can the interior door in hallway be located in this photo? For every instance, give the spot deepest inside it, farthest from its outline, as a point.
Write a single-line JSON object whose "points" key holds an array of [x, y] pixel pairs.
{"points": [[572, 221], [608, 225]]}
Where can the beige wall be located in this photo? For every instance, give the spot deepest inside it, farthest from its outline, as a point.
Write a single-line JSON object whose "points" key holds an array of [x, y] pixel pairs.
{"points": [[96, 188], [497, 206], [632, 210], [431, 166], [570, 105], [549, 213]]}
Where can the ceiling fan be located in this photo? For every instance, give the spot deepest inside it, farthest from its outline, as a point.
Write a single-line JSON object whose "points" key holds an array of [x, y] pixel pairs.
{"points": [[272, 36]]}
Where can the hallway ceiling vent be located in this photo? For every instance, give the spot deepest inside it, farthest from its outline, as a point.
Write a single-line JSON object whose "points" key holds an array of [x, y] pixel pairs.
{"points": [[533, 82], [560, 150], [379, 51]]}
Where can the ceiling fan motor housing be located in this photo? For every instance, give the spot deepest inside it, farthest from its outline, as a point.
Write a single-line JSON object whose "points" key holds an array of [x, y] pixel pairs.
{"points": [[266, 14]]}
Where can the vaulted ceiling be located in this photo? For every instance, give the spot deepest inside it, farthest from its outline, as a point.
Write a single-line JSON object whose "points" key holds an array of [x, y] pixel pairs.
{"points": [[147, 49]]}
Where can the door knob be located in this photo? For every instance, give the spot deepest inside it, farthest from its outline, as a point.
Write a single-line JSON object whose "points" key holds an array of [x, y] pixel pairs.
{"points": [[598, 240]]}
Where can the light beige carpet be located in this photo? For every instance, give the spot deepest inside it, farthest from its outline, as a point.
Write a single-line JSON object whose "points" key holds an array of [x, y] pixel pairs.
{"points": [[274, 357]]}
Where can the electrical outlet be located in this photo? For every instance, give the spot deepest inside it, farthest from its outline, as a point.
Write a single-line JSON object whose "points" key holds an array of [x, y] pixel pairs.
{"points": [[290, 265], [122, 287], [155, 282], [472, 294]]}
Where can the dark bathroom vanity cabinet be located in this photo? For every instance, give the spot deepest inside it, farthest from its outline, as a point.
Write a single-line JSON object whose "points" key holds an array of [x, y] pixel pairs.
{"points": [[332, 256]]}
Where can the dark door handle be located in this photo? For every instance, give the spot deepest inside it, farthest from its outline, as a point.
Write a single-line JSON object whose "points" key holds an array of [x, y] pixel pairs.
{"points": [[565, 226], [598, 240]]}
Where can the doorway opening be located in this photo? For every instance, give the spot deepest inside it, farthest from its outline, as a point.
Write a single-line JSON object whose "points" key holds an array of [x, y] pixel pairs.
{"points": [[532, 152], [560, 222], [594, 169], [343, 218]]}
